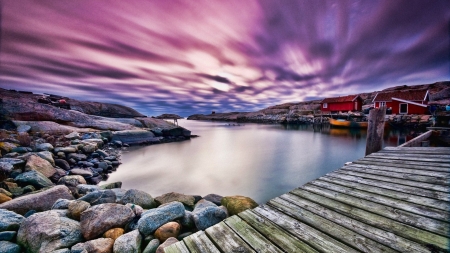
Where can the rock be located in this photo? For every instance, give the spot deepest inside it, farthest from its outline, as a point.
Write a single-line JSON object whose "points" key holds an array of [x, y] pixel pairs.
{"points": [[5, 170], [188, 200], [44, 147], [170, 229], [183, 235], [168, 242], [151, 246], [6, 147], [207, 214], [71, 182], [4, 198], [8, 236], [101, 153], [48, 231], [48, 156], [29, 213], [36, 163], [63, 164], [237, 204], [98, 219], [10, 221], [187, 221], [119, 194], [88, 148], [40, 201], [99, 197], [65, 250], [82, 172], [23, 129], [72, 136], [13, 188], [114, 233], [21, 150], [111, 185], [28, 189], [34, 178], [9, 247], [133, 136], [66, 150], [13, 161], [87, 188], [61, 204], [60, 173], [76, 207], [154, 218], [100, 245], [7, 193], [138, 210], [77, 157], [96, 180], [138, 197], [216, 199], [128, 243]]}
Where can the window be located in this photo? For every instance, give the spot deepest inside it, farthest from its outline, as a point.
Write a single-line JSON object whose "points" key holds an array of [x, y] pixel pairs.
{"points": [[403, 108], [325, 105], [382, 104]]}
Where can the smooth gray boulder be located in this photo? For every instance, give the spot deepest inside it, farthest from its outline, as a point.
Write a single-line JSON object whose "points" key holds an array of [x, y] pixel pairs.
{"points": [[9, 247], [10, 221], [40, 201], [207, 214], [100, 218], [133, 136], [34, 178], [128, 243], [48, 231], [99, 197], [216, 199], [138, 197], [154, 218]]}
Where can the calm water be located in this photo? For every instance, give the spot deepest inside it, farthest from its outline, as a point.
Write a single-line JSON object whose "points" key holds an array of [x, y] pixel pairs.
{"points": [[256, 160]]}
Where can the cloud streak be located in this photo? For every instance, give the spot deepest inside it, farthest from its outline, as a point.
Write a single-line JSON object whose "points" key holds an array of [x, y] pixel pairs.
{"points": [[194, 57]]}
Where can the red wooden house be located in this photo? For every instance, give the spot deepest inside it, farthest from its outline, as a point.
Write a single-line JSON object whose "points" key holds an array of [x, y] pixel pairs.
{"points": [[403, 102], [346, 103]]}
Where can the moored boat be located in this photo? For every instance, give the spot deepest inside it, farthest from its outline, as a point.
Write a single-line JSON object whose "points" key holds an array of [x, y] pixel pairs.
{"points": [[348, 123]]}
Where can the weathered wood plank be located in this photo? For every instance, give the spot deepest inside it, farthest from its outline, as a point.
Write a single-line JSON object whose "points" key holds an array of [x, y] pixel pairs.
{"points": [[375, 127], [407, 158], [275, 234], [334, 230], [415, 234], [382, 236], [446, 149], [412, 165], [416, 141], [392, 186], [387, 201], [419, 200], [178, 247], [226, 240], [408, 170], [405, 176], [251, 236], [433, 187], [320, 241], [200, 243], [411, 156], [420, 152]]}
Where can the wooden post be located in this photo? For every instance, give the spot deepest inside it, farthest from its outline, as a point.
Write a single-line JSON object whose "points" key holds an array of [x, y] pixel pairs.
{"points": [[375, 129]]}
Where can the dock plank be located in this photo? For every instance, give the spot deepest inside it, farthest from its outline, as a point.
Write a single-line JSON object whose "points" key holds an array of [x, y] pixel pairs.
{"points": [[178, 247], [422, 171], [403, 162], [226, 240], [200, 243], [411, 158]]}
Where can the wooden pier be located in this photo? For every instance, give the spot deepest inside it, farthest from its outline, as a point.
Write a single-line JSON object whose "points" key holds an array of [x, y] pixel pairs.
{"points": [[394, 200]]}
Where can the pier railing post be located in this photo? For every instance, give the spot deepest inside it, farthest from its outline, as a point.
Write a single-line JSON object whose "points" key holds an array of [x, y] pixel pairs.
{"points": [[375, 130]]}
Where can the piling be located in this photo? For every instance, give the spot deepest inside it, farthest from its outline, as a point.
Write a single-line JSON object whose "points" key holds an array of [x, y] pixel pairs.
{"points": [[375, 130]]}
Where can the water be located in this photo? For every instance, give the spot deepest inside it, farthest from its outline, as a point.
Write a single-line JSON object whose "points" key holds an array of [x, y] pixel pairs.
{"points": [[256, 160]]}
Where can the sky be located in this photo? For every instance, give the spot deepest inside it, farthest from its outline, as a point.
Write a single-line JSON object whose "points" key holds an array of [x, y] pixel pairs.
{"points": [[187, 57]]}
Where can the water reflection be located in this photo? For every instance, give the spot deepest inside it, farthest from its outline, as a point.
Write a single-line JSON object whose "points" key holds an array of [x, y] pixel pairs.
{"points": [[255, 160]]}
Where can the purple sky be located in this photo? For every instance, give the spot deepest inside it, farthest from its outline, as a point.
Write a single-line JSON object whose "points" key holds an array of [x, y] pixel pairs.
{"points": [[186, 57]]}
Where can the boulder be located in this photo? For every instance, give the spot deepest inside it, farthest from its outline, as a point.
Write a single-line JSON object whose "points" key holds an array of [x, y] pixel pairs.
{"points": [[60, 173], [99, 197], [6, 147], [76, 207], [237, 204], [34, 178], [36, 163], [216, 199], [87, 188], [8, 236], [100, 218], [13, 188], [48, 231], [100, 245], [154, 218], [114, 233], [61, 204], [7, 193], [40, 201], [138, 210], [66, 150], [138, 197], [207, 214], [72, 181], [16, 162], [119, 194], [48, 156], [128, 243], [82, 172], [187, 221], [167, 243], [72, 136], [152, 246], [77, 157], [5, 170], [21, 150], [88, 148], [111, 185], [188, 200], [133, 136], [23, 129], [63, 164], [4, 198], [10, 221], [65, 250], [44, 147], [170, 229], [9, 247]]}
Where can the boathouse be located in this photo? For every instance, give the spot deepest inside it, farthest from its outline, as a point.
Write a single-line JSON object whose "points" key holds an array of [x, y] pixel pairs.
{"points": [[345, 103], [403, 102]]}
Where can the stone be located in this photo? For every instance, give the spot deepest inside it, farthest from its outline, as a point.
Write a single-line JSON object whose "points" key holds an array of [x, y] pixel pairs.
{"points": [[100, 245], [237, 204], [101, 153], [77, 157], [10, 221], [97, 179], [207, 214], [151, 246], [13, 161], [99, 197], [21, 150], [188, 200], [72, 136], [6, 147], [111, 185], [48, 156], [9, 247], [5, 170], [128, 243], [8, 236], [87, 188], [154, 218], [65, 250], [100, 218], [76, 207], [66, 150], [133, 136], [23, 129], [61, 204], [48, 231], [168, 242], [119, 194], [13, 188], [183, 235], [40, 201], [138, 210], [28, 189], [138, 197], [187, 221], [34, 178], [63, 164], [29, 213], [82, 172], [88, 148], [114, 233], [44, 147], [7, 193], [36, 163], [170, 229], [72, 181], [60, 173], [4, 198], [216, 199]]}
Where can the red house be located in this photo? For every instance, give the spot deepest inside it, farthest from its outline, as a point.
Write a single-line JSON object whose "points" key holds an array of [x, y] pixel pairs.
{"points": [[403, 102], [346, 103]]}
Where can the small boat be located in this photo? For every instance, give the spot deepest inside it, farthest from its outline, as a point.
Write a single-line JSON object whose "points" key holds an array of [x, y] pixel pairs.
{"points": [[348, 123]]}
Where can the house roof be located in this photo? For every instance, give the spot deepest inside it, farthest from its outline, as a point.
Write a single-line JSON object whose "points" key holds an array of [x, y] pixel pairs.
{"points": [[349, 98], [410, 95], [409, 102]]}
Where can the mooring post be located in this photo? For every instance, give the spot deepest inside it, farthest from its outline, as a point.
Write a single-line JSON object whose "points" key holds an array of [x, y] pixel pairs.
{"points": [[375, 129]]}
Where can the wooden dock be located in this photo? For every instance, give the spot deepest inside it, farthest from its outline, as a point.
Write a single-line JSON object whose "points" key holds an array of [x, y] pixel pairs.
{"points": [[395, 200]]}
